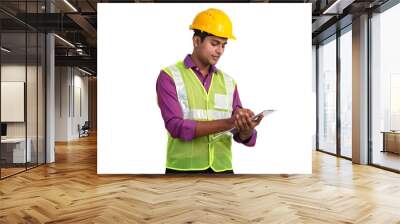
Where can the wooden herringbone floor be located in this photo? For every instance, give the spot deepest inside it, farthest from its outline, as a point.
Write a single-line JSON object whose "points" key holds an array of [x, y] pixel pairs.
{"points": [[70, 191]]}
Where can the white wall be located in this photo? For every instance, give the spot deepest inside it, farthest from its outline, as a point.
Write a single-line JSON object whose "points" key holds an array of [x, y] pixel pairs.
{"points": [[70, 83], [81, 83], [61, 103]]}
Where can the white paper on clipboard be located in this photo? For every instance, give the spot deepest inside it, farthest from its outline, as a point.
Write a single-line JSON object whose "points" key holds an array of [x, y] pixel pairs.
{"points": [[232, 131]]}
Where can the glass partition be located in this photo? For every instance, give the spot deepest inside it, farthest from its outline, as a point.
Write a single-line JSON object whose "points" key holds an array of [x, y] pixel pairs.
{"points": [[22, 77], [13, 104]]}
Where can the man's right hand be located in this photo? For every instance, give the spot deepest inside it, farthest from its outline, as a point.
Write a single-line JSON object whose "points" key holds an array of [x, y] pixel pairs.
{"points": [[242, 119]]}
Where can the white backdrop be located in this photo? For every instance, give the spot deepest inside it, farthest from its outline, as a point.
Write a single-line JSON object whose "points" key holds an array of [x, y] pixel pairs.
{"points": [[270, 60]]}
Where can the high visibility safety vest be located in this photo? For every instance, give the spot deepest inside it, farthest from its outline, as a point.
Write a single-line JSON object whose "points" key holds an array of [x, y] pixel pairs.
{"points": [[202, 152]]}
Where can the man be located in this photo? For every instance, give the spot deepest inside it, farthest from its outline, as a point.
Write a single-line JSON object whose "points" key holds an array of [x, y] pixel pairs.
{"points": [[197, 100]]}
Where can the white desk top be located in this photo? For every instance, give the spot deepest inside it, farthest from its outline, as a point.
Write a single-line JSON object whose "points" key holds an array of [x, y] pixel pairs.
{"points": [[391, 132], [13, 140]]}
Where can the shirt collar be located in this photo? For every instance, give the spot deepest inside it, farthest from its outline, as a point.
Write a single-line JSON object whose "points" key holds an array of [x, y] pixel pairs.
{"points": [[188, 62]]}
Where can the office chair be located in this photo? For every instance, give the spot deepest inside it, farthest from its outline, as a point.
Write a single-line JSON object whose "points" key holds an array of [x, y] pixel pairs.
{"points": [[84, 130]]}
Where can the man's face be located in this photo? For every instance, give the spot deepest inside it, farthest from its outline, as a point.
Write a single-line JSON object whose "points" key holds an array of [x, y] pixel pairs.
{"points": [[211, 49]]}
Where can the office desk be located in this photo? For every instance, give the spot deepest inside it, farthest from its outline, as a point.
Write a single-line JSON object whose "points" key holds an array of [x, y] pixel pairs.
{"points": [[391, 141], [13, 150]]}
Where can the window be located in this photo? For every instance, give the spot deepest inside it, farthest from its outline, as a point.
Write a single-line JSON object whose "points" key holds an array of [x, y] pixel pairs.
{"points": [[346, 93], [327, 96], [385, 88]]}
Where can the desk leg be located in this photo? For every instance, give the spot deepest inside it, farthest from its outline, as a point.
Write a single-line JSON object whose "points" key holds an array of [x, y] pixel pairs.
{"points": [[384, 143]]}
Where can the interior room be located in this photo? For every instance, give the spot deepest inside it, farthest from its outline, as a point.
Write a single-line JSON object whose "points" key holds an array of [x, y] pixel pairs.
{"points": [[49, 123]]}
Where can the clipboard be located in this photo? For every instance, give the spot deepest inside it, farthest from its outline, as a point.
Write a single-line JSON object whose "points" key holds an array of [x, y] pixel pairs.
{"points": [[233, 131]]}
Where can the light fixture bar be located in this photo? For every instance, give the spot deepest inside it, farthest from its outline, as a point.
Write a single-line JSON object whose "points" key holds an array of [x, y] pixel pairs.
{"points": [[70, 5], [64, 40], [337, 7], [5, 49], [84, 71]]}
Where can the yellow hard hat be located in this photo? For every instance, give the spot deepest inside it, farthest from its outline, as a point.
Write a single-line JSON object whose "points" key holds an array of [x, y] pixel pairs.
{"points": [[215, 22]]}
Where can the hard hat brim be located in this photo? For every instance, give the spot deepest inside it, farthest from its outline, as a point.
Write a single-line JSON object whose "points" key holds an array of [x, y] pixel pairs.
{"points": [[232, 37]]}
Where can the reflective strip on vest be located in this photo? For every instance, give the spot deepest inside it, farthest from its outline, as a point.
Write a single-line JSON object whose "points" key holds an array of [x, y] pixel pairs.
{"points": [[198, 113], [217, 115], [180, 90], [229, 88]]}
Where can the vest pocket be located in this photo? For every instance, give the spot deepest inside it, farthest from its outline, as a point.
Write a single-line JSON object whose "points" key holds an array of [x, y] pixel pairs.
{"points": [[221, 101]]}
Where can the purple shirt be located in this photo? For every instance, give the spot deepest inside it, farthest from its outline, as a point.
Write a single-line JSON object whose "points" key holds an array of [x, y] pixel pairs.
{"points": [[171, 110]]}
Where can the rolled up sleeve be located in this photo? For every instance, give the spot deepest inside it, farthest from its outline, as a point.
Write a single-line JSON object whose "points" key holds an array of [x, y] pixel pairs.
{"points": [[171, 111]]}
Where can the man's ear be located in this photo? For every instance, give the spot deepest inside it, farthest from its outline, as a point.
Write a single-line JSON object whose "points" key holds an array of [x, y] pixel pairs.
{"points": [[196, 41]]}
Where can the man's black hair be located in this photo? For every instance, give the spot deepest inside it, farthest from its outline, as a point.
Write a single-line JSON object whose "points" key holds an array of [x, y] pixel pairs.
{"points": [[201, 34]]}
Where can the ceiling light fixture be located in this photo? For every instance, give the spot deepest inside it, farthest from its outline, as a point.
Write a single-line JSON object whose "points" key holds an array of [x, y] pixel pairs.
{"points": [[70, 5], [337, 7], [5, 49], [64, 40], [84, 71]]}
